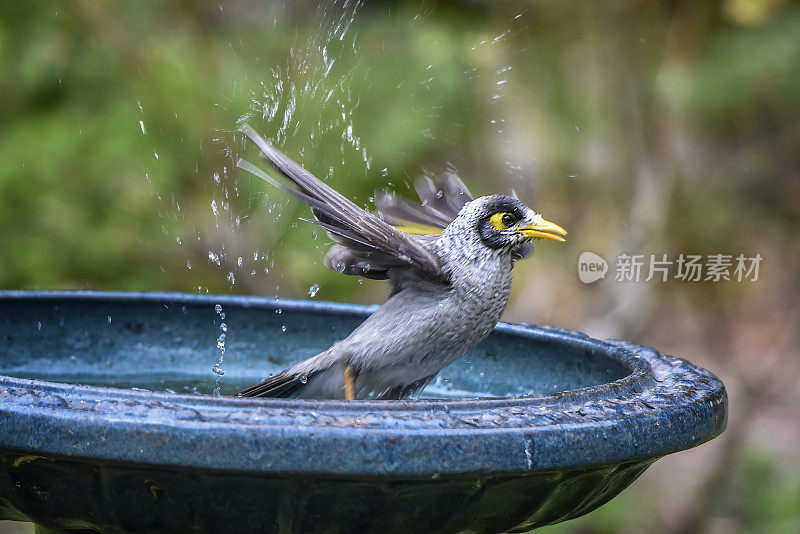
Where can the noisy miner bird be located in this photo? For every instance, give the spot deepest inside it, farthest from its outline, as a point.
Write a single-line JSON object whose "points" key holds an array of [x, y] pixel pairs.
{"points": [[449, 262]]}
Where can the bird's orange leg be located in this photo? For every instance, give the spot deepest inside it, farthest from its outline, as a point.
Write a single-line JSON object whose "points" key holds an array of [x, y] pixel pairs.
{"points": [[349, 383]]}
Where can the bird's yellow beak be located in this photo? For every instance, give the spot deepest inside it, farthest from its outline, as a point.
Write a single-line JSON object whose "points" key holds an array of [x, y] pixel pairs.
{"points": [[543, 229]]}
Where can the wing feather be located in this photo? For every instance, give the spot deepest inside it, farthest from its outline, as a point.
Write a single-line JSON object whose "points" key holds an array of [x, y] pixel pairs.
{"points": [[439, 202], [344, 221]]}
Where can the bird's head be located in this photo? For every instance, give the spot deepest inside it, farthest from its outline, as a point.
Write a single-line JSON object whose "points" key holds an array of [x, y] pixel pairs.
{"points": [[502, 222]]}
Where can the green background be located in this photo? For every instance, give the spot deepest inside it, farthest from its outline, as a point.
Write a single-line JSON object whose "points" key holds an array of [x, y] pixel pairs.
{"points": [[641, 127]]}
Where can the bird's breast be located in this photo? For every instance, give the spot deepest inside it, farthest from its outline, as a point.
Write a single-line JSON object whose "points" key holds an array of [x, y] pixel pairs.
{"points": [[423, 328], [479, 301]]}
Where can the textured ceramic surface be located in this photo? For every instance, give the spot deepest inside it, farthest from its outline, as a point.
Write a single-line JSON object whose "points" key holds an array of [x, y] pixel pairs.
{"points": [[535, 426]]}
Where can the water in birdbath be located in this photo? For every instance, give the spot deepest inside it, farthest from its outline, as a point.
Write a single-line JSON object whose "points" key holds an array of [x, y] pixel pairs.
{"points": [[164, 345]]}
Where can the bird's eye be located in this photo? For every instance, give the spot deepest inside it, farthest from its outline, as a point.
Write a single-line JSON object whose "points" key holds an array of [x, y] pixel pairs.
{"points": [[503, 220]]}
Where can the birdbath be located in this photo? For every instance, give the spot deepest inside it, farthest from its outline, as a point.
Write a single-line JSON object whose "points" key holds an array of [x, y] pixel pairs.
{"points": [[108, 422]]}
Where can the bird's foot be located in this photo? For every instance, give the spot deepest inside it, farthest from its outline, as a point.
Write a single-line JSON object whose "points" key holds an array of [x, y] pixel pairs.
{"points": [[349, 383]]}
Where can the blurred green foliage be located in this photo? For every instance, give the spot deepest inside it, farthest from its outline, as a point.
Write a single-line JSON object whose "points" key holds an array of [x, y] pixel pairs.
{"points": [[639, 126], [510, 94]]}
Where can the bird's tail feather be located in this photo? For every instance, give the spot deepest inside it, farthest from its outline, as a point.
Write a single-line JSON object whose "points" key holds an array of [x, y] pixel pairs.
{"points": [[281, 385]]}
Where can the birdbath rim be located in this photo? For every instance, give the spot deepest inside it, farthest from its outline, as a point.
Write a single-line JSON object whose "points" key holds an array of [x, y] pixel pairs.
{"points": [[663, 405]]}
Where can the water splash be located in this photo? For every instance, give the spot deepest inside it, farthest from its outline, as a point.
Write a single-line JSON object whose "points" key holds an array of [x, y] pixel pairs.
{"points": [[301, 99], [217, 368], [308, 91], [313, 290]]}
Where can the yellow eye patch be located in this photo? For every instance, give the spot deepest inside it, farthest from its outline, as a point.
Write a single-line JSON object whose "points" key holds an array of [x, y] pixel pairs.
{"points": [[502, 220]]}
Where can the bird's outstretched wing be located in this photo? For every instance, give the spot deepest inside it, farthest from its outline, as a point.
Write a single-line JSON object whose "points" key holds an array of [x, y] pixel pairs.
{"points": [[439, 204], [367, 245]]}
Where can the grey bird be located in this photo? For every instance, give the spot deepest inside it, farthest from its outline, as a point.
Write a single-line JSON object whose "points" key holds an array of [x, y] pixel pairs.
{"points": [[448, 260]]}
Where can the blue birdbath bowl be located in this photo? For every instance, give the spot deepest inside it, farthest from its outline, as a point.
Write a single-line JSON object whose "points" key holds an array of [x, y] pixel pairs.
{"points": [[108, 422]]}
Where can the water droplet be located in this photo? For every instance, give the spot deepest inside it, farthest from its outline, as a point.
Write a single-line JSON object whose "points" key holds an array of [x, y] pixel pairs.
{"points": [[141, 125], [283, 328], [231, 278], [278, 311], [223, 327], [216, 370], [216, 177], [340, 266], [109, 319], [313, 290], [303, 379], [218, 308], [239, 261], [39, 325], [188, 264]]}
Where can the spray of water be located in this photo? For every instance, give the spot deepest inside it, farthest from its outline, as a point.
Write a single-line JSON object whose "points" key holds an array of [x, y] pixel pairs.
{"points": [[305, 97], [217, 368]]}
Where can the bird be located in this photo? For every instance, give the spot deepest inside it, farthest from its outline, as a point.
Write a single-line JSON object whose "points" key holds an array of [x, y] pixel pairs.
{"points": [[448, 260]]}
